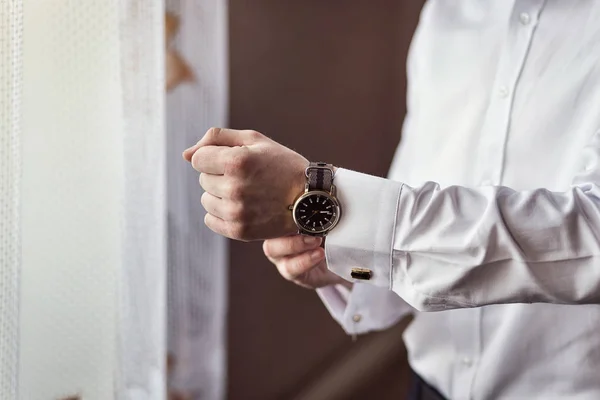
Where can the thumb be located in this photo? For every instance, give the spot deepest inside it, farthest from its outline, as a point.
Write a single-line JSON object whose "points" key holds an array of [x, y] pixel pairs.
{"points": [[189, 152], [222, 137]]}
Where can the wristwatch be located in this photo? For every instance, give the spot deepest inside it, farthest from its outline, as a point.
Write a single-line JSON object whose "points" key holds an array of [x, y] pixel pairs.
{"points": [[317, 211]]}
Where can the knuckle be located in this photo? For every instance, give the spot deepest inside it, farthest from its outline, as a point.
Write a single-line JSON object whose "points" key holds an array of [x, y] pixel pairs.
{"points": [[296, 267], [296, 244], [267, 248], [235, 191], [284, 270], [233, 231], [301, 265], [239, 163], [239, 231], [289, 247], [254, 135], [213, 133], [196, 161], [211, 223], [203, 199], [236, 211]]}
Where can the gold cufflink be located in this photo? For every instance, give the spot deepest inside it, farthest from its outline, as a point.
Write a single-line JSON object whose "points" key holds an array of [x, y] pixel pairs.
{"points": [[361, 273]]}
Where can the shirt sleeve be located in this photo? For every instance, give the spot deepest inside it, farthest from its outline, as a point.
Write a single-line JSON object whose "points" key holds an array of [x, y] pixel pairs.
{"points": [[444, 248], [365, 308]]}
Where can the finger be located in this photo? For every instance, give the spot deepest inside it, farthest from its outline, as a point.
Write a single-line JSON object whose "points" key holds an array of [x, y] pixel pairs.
{"points": [[224, 209], [231, 229], [219, 185], [228, 137], [289, 245], [293, 267], [220, 208], [314, 284], [223, 137], [211, 137], [216, 224], [211, 159], [189, 152]]}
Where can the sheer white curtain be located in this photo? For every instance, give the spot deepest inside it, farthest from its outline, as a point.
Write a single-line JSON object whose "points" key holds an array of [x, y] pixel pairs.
{"points": [[197, 257], [11, 42], [93, 201], [84, 238], [144, 255]]}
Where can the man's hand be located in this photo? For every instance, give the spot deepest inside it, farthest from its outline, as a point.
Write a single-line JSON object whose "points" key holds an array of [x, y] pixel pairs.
{"points": [[299, 259], [249, 182]]}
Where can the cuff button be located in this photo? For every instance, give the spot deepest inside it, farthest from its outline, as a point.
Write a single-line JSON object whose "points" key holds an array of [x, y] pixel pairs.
{"points": [[361, 273], [356, 317]]}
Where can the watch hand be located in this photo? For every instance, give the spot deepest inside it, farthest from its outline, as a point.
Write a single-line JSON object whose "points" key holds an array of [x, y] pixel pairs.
{"points": [[313, 214]]}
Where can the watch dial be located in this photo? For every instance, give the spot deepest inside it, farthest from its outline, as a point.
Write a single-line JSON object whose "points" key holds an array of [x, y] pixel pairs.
{"points": [[316, 213]]}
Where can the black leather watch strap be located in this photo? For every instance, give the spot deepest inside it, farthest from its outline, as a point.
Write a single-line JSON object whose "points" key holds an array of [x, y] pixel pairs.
{"points": [[320, 176]]}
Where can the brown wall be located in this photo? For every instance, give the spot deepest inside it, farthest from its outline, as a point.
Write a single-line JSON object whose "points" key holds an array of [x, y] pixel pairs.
{"points": [[326, 78]]}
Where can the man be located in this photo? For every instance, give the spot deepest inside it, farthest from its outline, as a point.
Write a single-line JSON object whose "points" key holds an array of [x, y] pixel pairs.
{"points": [[488, 228]]}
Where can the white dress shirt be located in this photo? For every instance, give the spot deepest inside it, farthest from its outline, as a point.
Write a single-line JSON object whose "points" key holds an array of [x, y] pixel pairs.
{"points": [[492, 204]]}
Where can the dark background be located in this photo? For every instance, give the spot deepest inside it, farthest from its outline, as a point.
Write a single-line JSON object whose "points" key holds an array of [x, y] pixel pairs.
{"points": [[326, 78]]}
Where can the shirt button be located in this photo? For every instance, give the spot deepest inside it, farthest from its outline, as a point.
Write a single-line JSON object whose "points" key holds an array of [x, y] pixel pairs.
{"points": [[524, 18], [356, 317], [503, 91], [466, 361]]}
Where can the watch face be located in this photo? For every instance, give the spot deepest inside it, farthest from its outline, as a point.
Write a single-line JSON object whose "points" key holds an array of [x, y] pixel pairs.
{"points": [[316, 212]]}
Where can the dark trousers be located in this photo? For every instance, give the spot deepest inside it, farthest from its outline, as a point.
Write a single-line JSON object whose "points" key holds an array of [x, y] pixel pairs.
{"points": [[421, 390]]}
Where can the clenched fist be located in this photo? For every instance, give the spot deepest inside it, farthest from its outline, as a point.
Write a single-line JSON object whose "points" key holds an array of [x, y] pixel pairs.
{"points": [[299, 259], [249, 182]]}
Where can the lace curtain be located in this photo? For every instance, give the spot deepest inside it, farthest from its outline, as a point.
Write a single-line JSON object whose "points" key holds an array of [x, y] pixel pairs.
{"points": [[95, 200], [11, 53], [197, 273]]}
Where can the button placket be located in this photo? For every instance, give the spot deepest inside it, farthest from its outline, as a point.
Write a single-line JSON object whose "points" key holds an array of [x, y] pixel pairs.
{"points": [[465, 326], [524, 18], [497, 120], [491, 164], [503, 91]]}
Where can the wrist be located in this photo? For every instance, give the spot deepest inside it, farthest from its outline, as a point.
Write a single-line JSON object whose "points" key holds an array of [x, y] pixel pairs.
{"points": [[297, 183], [295, 188]]}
